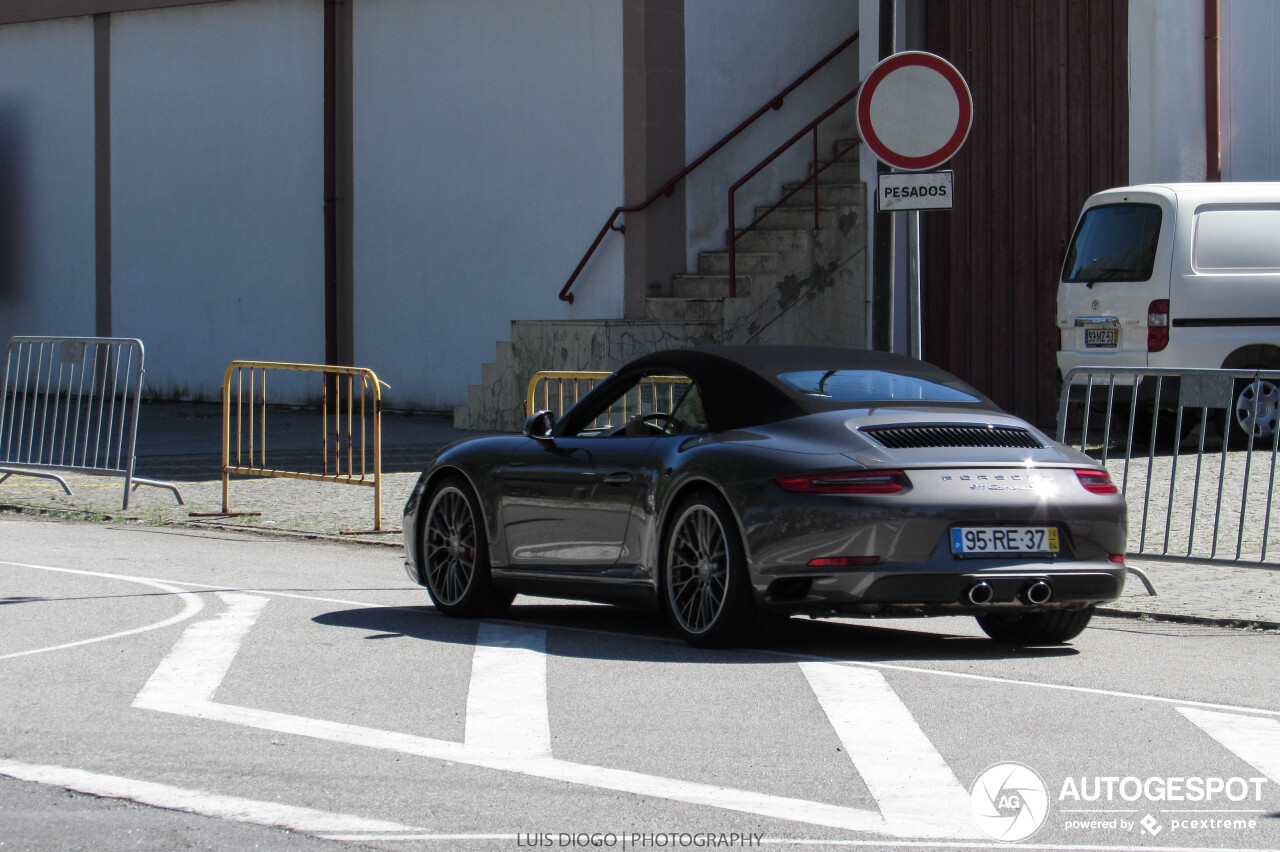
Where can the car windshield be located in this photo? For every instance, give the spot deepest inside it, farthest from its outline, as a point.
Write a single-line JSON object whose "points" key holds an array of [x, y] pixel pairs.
{"points": [[874, 386], [1115, 242]]}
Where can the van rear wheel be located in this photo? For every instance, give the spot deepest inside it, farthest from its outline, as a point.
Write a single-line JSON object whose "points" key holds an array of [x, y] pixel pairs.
{"points": [[1256, 412]]}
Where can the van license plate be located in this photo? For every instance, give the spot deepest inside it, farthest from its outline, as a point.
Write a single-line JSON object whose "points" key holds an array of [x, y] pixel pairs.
{"points": [[1004, 541], [1100, 337]]}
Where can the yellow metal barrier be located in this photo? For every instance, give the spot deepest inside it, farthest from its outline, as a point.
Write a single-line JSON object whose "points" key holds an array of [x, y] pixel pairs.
{"points": [[572, 380], [653, 393], [350, 418]]}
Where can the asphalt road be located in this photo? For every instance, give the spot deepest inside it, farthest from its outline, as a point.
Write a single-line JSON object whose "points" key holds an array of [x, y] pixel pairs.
{"points": [[172, 688]]}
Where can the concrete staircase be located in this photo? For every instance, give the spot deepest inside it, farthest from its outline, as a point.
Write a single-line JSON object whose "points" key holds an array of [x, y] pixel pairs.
{"points": [[795, 285]]}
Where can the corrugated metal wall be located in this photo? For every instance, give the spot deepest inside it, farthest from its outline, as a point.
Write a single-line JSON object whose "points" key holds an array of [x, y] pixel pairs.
{"points": [[1050, 91]]}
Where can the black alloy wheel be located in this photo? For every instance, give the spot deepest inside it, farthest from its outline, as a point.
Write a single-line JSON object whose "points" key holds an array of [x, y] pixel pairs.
{"points": [[705, 588], [455, 554]]}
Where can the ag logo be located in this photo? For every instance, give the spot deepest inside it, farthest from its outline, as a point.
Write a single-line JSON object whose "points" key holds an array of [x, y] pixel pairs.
{"points": [[1009, 801]]}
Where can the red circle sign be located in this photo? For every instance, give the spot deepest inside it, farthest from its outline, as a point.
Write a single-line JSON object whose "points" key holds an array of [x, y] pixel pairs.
{"points": [[914, 111]]}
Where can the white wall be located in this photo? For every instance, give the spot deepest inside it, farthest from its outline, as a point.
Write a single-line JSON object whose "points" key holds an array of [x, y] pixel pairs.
{"points": [[739, 53], [1251, 90], [1166, 91], [46, 179], [488, 153], [217, 184]]}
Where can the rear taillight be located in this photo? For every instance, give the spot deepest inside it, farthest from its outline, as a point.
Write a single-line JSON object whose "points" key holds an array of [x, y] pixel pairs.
{"points": [[1158, 325], [1096, 481], [847, 482], [1117, 558], [843, 561]]}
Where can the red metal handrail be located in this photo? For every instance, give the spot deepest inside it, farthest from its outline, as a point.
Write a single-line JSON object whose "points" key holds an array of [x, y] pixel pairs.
{"points": [[810, 128], [774, 103]]}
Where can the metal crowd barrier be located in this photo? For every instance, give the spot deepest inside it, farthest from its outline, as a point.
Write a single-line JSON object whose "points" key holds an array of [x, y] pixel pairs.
{"points": [[551, 389], [1193, 490], [348, 437], [70, 405], [566, 387]]}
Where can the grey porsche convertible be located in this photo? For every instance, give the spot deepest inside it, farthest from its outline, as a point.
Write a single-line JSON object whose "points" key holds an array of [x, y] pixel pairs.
{"points": [[731, 486]]}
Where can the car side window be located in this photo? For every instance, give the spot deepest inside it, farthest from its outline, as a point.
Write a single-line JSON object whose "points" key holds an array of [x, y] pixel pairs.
{"points": [[665, 404]]}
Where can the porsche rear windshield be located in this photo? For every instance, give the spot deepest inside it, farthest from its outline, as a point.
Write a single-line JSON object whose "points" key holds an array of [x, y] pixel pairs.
{"points": [[873, 386], [1114, 242]]}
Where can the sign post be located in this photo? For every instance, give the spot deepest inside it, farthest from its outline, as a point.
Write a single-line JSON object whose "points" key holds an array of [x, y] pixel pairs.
{"points": [[914, 113]]}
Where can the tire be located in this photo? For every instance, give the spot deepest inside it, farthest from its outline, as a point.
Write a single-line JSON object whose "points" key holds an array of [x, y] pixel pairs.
{"points": [[1262, 420], [1168, 437], [455, 554], [1048, 627], [706, 590]]}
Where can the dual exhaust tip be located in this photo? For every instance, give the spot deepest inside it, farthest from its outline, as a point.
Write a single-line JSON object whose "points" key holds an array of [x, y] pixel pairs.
{"points": [[1035, 593]]}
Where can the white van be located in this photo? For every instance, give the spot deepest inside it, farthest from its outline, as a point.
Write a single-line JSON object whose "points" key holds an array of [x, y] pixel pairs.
{"points": [[1177, 275]]}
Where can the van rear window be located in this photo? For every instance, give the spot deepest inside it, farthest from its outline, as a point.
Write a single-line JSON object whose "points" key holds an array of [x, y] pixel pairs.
{"points": [[1114, 242]]}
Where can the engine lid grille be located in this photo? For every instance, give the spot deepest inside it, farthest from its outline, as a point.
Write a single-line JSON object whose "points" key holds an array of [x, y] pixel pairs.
{"points": [[918, 437]]}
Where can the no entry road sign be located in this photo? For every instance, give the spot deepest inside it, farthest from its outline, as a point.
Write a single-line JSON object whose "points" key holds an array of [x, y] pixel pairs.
{"points": [[914, 111]]}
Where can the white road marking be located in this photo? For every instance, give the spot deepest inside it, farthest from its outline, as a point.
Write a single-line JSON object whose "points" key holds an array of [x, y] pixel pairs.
{"points": [[196, 666], [1253, 739], [196, 801], [190, 693], [1004, 681], [904, 772], [507, 699], [187, 678], [191, 605]]}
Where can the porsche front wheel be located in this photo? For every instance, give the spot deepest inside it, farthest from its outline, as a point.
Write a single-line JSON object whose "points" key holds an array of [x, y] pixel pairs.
{"points": [[705, 588], [455, 554]]}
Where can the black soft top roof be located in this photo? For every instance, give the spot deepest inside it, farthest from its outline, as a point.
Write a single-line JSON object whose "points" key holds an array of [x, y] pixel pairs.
{"points": [[741, 387]]}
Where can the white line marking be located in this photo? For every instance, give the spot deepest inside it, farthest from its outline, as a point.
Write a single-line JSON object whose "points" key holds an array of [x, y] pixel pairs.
{"points": [[191, 605], [1004, 681], [196, 666], [814, 658], [904, 772], [207, 648], [1254, 740], [196, 801], [507, 698]]}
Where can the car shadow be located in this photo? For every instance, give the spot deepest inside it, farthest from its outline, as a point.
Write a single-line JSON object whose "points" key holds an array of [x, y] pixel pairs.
{"points": [[616, 633]]}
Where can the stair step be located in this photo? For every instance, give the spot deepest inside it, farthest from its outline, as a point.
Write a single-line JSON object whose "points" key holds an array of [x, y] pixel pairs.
{"points": [[748, 262], [709, 286], [672, 309], [838, 194], [791, 218], [843, 144], [776, 240], [846, 170]]}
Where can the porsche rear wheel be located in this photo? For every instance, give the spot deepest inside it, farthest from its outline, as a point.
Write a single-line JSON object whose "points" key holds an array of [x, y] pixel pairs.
{"points": [[705, 588], [455, 554], [1050, 627]]}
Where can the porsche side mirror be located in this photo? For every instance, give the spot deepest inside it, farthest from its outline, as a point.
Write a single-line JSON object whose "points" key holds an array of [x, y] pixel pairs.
{"points": [[539, 426]]}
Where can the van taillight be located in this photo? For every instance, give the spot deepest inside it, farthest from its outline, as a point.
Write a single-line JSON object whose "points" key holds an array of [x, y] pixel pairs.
{"points": [[1158, 325]]}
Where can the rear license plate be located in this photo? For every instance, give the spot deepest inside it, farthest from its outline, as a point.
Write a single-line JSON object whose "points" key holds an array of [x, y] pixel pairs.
{"points": [[1100, 337], [1004, 541]]}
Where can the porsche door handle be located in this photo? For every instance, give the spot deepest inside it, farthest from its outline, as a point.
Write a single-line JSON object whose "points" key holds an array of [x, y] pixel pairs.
{"points": [[618, 477]]}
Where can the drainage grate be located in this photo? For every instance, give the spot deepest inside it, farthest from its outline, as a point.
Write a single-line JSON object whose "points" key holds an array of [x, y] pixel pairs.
{"points": [[921, 437]]}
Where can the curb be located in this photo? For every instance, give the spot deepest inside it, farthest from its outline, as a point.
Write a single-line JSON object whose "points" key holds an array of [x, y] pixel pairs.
{"points": [[1233, 623]]}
